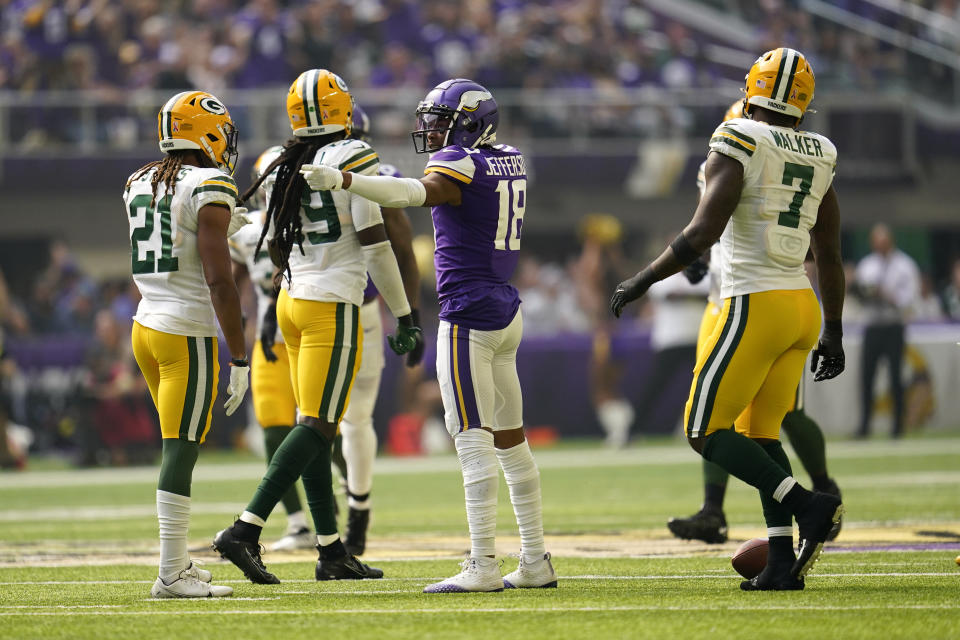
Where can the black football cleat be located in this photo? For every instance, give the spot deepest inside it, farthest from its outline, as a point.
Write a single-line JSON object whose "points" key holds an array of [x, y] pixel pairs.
{"points": [[355, 538], [245, 555], [815, 522], [344, 568], [834, 490], [775, 577], [709, 526]]}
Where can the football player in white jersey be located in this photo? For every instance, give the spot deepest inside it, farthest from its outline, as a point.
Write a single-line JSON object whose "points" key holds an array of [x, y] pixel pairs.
{"points": [[769, 197], [274, 404], [709, 523], [180, 210], [359, 438], [323, 244]]}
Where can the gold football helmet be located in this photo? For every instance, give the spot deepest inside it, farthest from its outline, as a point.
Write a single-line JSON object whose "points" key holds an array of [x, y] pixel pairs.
{"points": [[261, 198], [198, 120], [319, 103], [782, 81], [735, 111]]}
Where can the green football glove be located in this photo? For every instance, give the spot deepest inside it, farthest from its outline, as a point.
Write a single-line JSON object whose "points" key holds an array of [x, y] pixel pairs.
{"points": [[407, 337]]}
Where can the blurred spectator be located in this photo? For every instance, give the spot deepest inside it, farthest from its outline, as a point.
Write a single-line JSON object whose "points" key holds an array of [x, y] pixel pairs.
{"points": [[119, 425], [677, 311], [888, 283], [595, 272], [550, 306], [951, 293]]}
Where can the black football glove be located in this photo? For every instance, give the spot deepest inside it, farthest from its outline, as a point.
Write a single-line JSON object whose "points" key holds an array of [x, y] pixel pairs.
{"points": [[696, 270], [407, 337], [268, 332], [830, 351], [631, 289], [415, 356]]}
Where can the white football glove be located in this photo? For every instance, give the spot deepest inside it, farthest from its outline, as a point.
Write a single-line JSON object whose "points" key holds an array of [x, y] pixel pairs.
{"points": [[321, 177], [238, 220], [239, 382]]}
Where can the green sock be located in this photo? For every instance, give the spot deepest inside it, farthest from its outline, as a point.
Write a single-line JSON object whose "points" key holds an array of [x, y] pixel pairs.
{"points": [[806, 438], [293, 455], [272, 437], [176, 465], [743, 458], [318, 485], [714, 486]]}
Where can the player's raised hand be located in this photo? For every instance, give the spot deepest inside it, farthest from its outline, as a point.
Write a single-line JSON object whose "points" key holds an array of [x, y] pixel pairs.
{"points": [[829, 353], [321, 177]]}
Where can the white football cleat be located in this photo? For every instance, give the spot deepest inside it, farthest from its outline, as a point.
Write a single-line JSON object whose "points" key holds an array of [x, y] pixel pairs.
{"points": [[200, 574], [188, 585], [532, 575], [292, 540], [477, 574]]}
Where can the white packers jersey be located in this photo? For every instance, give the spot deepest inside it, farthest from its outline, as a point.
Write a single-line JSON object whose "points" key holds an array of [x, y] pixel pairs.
{"points": [[786, 174], [243, 249], [163, 245], [332, 267]]}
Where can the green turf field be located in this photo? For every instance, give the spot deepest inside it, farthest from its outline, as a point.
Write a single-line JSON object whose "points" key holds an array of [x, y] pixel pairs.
{"points": [[78, 554]]}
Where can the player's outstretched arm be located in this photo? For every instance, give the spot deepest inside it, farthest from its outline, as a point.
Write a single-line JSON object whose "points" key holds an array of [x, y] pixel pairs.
{"points": [[387, 191], [724, 183], [825, 244], [213, 222]]}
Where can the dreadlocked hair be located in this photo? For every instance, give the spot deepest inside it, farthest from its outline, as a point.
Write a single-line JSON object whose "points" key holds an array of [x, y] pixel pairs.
{"points": [[283, 210], [167, 170]]}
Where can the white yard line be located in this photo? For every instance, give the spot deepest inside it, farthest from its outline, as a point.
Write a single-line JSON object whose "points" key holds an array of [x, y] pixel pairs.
{"points": [[473, 610]]}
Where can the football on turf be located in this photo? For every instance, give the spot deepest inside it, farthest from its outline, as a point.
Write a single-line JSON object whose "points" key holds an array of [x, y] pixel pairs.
{"points": [[751, 557]]}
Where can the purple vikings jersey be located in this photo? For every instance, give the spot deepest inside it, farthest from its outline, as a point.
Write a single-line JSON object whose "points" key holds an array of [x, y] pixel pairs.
{"points": [[371, 291], [478, 242]]}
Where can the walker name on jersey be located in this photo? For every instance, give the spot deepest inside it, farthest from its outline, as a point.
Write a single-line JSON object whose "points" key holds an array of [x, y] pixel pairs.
{"points": [[506, 166], [798, 143]]}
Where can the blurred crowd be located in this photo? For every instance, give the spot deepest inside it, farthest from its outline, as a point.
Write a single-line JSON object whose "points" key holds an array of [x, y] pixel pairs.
{"points": [[116, 45]]}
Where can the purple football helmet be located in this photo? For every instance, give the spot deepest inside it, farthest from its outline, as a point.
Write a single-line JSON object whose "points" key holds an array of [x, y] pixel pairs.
{"points": [[460, 109], [361, 124]]}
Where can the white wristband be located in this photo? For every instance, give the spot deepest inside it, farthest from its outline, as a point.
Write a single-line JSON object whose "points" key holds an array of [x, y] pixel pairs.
{"points": [[389, 191]]}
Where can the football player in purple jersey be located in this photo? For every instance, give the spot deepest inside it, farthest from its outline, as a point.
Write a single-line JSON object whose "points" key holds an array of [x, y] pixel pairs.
{"points": [[477, 191]]}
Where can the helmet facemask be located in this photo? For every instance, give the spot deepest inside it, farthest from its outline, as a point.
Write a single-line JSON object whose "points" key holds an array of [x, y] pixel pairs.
{"points": [[433, 119]]}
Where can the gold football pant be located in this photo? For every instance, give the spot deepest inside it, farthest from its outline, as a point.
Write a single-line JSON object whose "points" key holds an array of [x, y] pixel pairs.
{"points": [[274, 403], [749, 369], [323, 344], [181, 372]]}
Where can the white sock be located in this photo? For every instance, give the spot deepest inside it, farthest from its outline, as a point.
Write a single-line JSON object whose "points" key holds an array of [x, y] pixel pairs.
{"points": [[480, 483], [327, 540], [523, 479], [173, 513], [297, 521], [359, 450]]}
